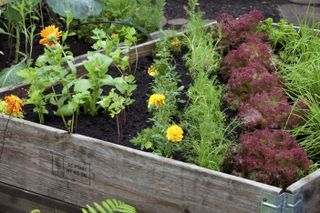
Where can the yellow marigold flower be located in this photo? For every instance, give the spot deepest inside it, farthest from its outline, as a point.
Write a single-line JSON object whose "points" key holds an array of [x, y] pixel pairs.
{"points": [[50, 35], [175, 133], [114, 35], [156, 100], [176, 42], [13, 104], [152, 71]]}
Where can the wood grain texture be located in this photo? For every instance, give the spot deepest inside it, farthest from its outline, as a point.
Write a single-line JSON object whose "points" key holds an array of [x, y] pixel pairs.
{"points": [[310, 186], [15, 200], [80, 170]]}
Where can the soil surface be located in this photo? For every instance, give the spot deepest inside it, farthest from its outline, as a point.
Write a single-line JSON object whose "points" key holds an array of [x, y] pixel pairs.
{"points": [[213, 8], [103, 126]]}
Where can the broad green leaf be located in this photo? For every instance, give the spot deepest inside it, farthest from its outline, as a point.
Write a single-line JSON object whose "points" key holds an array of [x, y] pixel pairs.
{"points": [[66, 110], [108, 81], [9, 76], [80, 9], [81, 85], [13, 15]]}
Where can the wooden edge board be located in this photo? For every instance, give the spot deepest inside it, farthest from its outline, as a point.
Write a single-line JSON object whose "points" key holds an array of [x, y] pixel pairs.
{"points": [[19, 200], [149, 182], [187, 166], [309, 186]]}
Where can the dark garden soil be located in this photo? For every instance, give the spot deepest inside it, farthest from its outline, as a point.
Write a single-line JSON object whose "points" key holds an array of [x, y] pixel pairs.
{"points": [[213, 8], [104, 127], [77, 47]]}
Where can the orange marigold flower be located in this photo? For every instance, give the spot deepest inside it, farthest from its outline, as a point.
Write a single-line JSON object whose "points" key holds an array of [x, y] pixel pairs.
{"points": [[175, 133], [14, 104], [50, 35], [176, 43], [113, 35]]}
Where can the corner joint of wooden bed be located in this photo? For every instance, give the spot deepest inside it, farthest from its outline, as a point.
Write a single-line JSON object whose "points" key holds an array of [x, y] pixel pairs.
{"points": [[283, 203]]}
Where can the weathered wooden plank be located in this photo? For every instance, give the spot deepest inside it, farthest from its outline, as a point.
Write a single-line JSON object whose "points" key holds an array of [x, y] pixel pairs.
{"points": [[79, 170], [18, 200], [310, 187]]}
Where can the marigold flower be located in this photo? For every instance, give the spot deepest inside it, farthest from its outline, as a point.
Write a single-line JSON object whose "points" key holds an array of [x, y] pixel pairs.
{"points": [[113, 35], [156, 100], [176, 42], [175, 133], [50, 35], [152, 71], [14, 104]]}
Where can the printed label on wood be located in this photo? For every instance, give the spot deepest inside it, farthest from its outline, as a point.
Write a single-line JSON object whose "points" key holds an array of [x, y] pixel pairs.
{"points": [[70, 169]]}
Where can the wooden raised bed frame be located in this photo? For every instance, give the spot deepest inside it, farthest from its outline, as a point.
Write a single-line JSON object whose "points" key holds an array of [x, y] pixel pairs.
{"points": [[59, 166]]}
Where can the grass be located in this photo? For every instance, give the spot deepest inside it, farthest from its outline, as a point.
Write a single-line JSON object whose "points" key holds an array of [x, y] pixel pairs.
{"points": [[300, 68]]}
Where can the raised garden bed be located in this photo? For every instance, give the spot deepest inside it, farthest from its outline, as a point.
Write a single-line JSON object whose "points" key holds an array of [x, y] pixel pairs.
{"points": [[79, 170]]}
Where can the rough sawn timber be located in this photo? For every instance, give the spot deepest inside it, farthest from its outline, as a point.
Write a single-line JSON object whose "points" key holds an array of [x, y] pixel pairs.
{"points": [[80, 170], [310, 188]]}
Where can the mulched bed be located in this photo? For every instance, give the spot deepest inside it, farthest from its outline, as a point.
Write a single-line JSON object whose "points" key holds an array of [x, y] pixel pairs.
{"points": [[213, 8], [104, 127]]}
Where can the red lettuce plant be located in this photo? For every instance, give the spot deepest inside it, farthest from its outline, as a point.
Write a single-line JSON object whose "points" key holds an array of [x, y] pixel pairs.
{"points": [[248, 81], [265, 110], [272, 157], [254, 50], [236, 31]]}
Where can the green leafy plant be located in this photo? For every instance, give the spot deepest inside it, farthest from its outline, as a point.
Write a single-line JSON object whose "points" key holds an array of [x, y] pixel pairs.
{"points": [[50, 71], [299, 53], [97, 67], [149, 14], [143, 15], [206, 140], [116, 104], [112, 48], [119, 9], [80, 8], [21, 16], [163, 104], [9, 76], [109, 206]]}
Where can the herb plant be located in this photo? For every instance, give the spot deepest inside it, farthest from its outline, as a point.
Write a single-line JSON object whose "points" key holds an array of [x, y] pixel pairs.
{"points": [[205, 141]]}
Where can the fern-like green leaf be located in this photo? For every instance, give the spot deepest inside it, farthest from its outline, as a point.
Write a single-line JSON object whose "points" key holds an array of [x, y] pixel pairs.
{"points": [[99, 207], [109, 206], [91, 209]]}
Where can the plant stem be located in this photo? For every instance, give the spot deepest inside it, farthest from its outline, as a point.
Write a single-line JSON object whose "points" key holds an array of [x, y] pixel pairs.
{"points": [[16, 58], [41, 118], [72, 123], [58, 106], [118, 129], [76, 121]]}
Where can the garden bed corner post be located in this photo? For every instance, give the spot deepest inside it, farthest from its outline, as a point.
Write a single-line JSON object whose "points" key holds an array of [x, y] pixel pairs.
{"points": [[283, 203]]}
